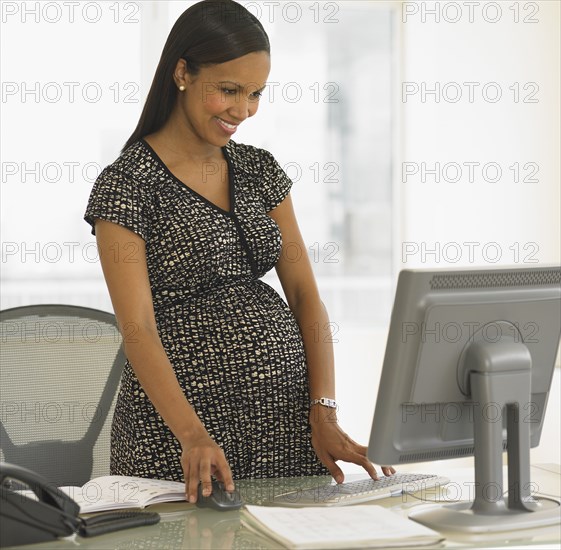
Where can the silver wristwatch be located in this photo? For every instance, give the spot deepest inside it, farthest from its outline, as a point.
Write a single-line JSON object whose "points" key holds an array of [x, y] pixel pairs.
{"points": [[325, 401]]}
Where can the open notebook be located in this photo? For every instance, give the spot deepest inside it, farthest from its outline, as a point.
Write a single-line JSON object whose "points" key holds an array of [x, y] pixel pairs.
{"points": [[122, 492]]}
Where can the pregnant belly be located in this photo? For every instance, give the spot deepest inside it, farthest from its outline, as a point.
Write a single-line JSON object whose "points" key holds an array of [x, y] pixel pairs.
{"points": [[241, 330]]}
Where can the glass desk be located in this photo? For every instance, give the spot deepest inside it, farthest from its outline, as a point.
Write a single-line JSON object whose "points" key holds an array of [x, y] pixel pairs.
{"points": [[183, 525]]}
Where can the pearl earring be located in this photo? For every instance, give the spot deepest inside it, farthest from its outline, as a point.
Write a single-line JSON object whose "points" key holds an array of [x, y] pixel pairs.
{"points": [[181, 88]]}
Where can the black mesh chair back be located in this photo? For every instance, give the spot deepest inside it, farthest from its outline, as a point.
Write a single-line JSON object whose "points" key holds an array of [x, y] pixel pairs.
{"points": [[60, 368]]}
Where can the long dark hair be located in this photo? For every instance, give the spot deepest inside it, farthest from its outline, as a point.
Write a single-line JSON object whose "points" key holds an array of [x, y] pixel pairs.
{"points": [[208, 32]]}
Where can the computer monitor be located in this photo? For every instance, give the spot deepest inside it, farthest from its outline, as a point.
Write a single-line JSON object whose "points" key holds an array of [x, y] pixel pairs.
{"points": [[467, 371]]}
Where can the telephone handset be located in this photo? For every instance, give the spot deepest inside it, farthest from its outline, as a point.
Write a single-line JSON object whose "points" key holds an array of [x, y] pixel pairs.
{"points": [[52, 513]]}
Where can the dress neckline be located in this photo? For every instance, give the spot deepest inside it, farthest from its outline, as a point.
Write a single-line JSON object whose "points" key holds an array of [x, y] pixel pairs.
{"points": [[231, 194]]}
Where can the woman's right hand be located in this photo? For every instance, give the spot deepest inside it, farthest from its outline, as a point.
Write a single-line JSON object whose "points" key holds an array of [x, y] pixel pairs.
{"points": [[202, 457]]}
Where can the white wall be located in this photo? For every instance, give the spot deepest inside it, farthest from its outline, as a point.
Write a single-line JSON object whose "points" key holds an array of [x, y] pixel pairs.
{"points": [[502, 132]]}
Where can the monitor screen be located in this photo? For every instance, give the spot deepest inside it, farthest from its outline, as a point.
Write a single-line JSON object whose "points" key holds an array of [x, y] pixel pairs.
{"points": [[424, 410]]}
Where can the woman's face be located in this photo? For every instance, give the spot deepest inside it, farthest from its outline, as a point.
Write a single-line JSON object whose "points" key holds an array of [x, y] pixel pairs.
{"points": [[222, 96]]}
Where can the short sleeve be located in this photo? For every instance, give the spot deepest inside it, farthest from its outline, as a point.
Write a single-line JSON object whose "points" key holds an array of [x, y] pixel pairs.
{"points": [[117, 198], [275, 184]]}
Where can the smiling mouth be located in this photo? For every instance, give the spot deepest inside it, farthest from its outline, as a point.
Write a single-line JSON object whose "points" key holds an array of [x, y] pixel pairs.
{"points": [[228, 125]]}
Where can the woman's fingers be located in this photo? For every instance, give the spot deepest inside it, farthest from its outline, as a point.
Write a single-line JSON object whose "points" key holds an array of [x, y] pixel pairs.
{"points": [[361, 460], [194, 479], [350, 451], [204, 470], [331, 465], [225, 474], [362, 449], [199, 465], [386, 470]]}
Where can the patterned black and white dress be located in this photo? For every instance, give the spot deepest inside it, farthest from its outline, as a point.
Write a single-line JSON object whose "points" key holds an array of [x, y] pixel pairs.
{"points": [[234, 343]]}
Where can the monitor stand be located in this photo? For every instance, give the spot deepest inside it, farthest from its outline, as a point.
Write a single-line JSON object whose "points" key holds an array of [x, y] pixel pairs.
{"points": [[496, 376]]}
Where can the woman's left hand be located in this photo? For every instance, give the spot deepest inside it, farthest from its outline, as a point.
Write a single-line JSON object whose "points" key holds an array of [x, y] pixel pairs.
{"points": [[331, 443]]}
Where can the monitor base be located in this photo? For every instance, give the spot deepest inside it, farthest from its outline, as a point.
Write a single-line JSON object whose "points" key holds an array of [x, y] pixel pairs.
{"points": [[460, 518]]}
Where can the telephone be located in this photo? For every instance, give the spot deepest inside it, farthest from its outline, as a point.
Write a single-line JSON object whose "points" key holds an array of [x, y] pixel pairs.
{"points": [[52, 513]]}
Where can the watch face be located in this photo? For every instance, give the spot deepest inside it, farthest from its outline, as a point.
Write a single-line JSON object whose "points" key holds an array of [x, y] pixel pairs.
{"points": [[325, 401]]}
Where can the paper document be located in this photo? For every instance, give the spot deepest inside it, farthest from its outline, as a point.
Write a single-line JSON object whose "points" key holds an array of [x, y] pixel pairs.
{"points": [[361, 525]]}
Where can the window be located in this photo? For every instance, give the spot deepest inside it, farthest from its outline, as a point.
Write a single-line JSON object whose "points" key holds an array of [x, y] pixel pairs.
{"points": [[326, 115]]}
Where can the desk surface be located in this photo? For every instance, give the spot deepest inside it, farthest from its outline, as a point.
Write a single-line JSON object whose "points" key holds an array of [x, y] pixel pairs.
{"points": [[183, 525]]}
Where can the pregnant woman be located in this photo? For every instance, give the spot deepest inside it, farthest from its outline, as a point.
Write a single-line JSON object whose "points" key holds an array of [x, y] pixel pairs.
{"points": [[223, 377]]}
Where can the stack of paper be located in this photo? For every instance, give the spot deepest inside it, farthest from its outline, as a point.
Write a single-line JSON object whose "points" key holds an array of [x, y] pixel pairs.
{"points": [[354, 526]]}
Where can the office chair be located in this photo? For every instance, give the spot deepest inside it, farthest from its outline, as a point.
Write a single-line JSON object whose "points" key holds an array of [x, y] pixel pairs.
{"points": [[60, 368]]}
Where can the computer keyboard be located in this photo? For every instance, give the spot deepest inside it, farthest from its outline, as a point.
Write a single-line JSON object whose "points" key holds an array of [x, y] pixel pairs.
{"points": [[355, 492]]}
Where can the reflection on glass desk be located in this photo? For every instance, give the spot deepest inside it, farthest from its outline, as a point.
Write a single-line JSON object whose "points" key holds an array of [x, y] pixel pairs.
{"points": [[184, 525]]}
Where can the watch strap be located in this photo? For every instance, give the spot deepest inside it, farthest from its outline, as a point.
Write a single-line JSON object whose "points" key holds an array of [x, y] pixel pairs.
{"points": [[325, 401]]}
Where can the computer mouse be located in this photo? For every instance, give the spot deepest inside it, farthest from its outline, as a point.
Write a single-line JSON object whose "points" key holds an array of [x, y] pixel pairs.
{"points": [[219, 499]]}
